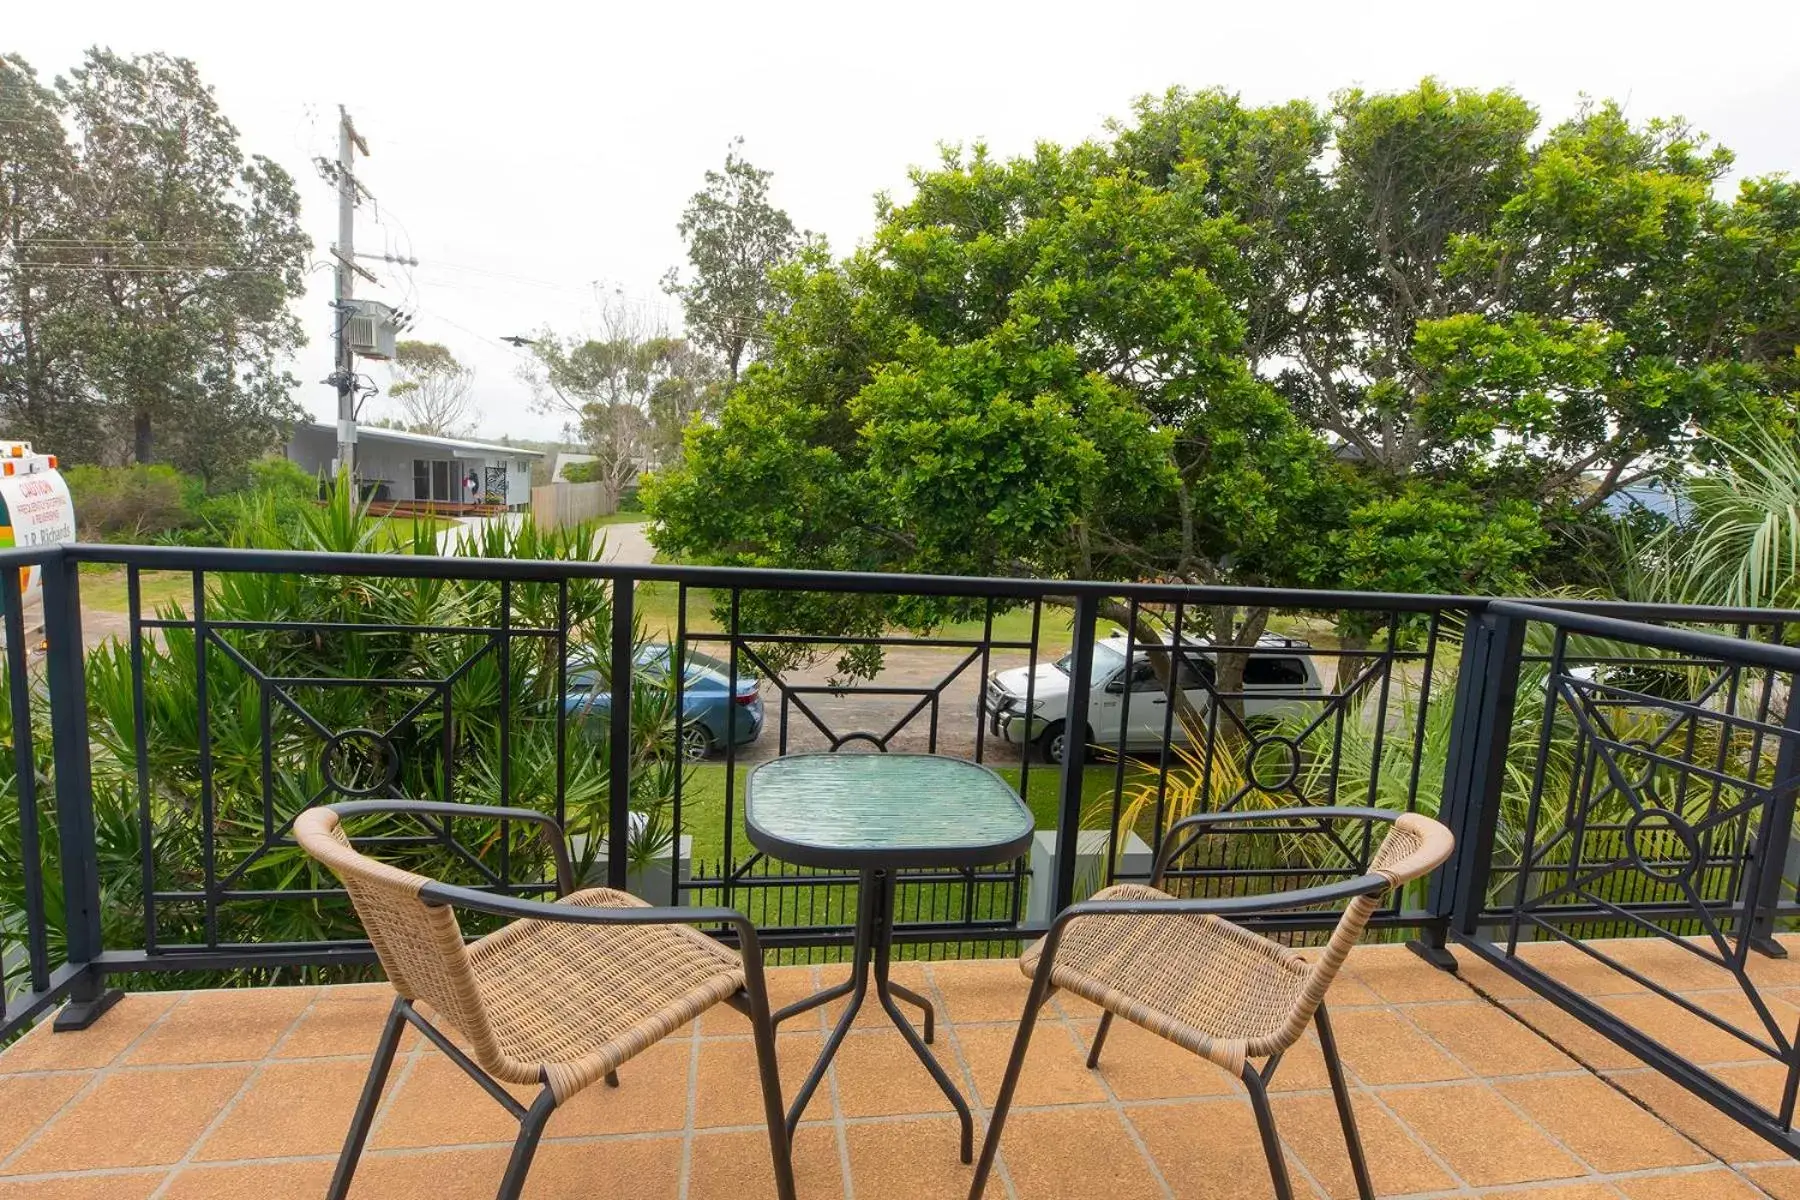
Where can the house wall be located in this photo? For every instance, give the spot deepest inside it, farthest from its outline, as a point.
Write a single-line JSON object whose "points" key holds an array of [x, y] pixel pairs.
{"points": [[391, 463]]}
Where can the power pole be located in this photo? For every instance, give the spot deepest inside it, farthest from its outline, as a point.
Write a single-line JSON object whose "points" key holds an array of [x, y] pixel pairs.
{"points": [[344, 371]]}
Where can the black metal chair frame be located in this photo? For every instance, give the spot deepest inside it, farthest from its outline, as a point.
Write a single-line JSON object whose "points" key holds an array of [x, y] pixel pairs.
{"points": [[1180, 838], [752, 1000]]}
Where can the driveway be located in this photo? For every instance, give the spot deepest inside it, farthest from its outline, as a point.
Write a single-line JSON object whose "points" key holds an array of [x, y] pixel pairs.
{"points": [[629, 543]]}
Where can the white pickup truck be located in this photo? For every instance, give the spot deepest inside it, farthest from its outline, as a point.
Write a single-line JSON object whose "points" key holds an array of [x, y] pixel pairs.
{"points": [[1279, 681]]}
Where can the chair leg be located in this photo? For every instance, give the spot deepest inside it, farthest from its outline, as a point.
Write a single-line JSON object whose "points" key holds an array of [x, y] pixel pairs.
{"points": [[1099, 1040], [371, 1098], [762, 1025], [1265, 1124], [1346, 1114], [525, 1147], [612, 1079], [990, 1145]]}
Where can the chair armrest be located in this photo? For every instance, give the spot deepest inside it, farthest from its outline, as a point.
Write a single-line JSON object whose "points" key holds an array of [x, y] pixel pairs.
{"points": [[518, 907], [565, 871], [1174, 844], [1218, 906]]}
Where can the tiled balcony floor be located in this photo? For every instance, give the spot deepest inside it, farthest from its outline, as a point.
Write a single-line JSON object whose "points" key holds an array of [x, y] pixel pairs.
{"points": [[207, 1095]]}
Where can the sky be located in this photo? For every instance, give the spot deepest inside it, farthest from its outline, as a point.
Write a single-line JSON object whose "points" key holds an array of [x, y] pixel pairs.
{"points": [[535, 158]]}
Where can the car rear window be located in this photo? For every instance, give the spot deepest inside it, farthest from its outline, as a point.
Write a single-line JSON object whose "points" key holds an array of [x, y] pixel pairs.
{"points": [[1285, 672]]}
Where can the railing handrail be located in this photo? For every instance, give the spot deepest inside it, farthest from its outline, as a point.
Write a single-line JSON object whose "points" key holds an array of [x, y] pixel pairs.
{"points": [[1685, 641], [410, 566]]}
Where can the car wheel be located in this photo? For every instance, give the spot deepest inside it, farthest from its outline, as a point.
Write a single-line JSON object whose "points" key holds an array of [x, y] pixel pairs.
{"points": [[696, 743]]}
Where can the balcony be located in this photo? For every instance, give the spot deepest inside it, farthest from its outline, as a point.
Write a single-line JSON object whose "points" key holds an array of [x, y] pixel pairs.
{"points": [[1621, 1020], [231, 1093]]}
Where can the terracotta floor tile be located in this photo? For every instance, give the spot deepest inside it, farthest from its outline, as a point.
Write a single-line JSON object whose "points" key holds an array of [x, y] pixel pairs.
{"points": [[1398, 1165], [1055, 1066], [994, 990], [1071, 1006], [27, 1101], [1694, 1117], [878, 1075], [1347, 991], [786, 985], [135, 1186], [909, 1160], [871, 1015], [1083, 1152], [252, 1181], [1690, 1036], [343, 1023], [133, 1119], [432, 1174], [1488, 1040], [291, 1109], [1381, 1047], [1562, 1191], [227, 1025], [1206, 1150], [43, 1049], [641, 1168], [651, 1097], [737, 1166], [1716, 1184], [437, 1104], [1398, 976], [1605, 1128], [1565, 1032], [1484, 1141], [1782, 1182], [1577, 969], [1488, 979], [1734, 1007], [1302, 1068], [1666, 963], [1762, 1082], [728, 1088], [1138, 1065]]}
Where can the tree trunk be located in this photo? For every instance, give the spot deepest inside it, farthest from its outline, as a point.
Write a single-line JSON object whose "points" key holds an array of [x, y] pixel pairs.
{"points": [[141, 442], [1227, 631], [1351, 663]]}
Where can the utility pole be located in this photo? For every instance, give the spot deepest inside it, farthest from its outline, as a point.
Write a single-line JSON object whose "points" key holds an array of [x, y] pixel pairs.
{"points": [[344, 371]]}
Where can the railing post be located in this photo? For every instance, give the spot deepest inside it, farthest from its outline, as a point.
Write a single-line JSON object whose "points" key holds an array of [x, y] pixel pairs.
{"points": [[1487, 683], [618, 740], [1075, 720], [1776, 831], [64, 669]]}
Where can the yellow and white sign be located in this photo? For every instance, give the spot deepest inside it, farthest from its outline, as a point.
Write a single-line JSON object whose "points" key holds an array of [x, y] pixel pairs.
{"points": [[35, 510]]}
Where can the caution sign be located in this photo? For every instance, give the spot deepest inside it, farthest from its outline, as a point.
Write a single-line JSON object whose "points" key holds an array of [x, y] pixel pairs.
{"points": [[35, 510]]}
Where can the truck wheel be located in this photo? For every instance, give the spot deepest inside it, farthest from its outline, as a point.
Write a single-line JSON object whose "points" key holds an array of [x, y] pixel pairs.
{"points": [[1052, 744]]}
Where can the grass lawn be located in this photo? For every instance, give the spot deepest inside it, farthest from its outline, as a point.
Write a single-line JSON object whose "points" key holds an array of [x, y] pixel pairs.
{"points": [[103, 588]]}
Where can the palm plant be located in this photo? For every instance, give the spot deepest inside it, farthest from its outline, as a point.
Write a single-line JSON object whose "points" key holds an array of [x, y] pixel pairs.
{"points": [[1741, 545]]}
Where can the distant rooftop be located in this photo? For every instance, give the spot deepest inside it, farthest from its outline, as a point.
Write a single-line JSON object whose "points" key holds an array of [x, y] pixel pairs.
{"points": [[376, 433]]}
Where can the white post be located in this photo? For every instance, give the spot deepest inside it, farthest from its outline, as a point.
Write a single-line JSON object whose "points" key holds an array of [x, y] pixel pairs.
{"points": [[1134, 863]]}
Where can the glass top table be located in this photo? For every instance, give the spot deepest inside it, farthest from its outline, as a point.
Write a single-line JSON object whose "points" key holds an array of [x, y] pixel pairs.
{"points": [[877, 814]]}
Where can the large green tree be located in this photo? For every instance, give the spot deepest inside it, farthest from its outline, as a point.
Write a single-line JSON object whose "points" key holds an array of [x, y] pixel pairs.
{"points": [[735, 237], [149, 268]]}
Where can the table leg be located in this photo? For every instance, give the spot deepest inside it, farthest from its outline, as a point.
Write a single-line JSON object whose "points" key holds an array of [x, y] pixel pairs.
{"points": [[857, 988], [882, 883], [911, 997]]}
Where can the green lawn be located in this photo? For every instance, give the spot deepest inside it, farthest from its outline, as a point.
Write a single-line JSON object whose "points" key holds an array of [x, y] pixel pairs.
{"points": [[103, 588]]}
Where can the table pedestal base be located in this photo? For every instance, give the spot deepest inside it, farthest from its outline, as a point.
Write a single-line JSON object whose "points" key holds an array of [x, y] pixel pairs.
{"points": [[874, 947]]}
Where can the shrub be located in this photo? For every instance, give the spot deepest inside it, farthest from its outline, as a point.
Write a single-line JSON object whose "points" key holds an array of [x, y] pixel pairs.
{"points": [[130, 504]]}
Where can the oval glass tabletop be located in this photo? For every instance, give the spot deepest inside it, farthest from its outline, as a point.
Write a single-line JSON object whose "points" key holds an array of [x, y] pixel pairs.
{"points": [[884, 810]]}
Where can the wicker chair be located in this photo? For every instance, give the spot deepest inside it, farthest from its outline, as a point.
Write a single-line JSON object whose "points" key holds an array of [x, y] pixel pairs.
{"points": [[1178, 968], [560, 997]]}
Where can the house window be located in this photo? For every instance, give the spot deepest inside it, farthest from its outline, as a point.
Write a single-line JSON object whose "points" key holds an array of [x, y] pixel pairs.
{"points": [[431, 480]]}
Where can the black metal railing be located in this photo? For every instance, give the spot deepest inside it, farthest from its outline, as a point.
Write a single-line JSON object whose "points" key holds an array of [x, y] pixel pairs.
{"points": [[1610, 770]]}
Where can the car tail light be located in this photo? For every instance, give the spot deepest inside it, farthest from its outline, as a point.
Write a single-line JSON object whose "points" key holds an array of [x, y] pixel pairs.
{"points": [[746, 698]]}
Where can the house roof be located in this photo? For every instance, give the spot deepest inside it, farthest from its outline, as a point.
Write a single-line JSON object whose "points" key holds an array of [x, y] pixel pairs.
{"points": [[375, 433]]}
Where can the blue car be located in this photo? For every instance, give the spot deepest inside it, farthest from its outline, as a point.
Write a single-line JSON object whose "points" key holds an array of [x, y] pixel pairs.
{"points": [[710, 710]]}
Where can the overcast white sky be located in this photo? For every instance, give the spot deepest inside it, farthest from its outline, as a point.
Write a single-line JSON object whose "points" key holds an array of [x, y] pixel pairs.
{"points": [[533, 156]]}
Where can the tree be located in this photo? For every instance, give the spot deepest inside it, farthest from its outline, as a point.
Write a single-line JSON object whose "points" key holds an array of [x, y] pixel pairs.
{"points": [[187, 254], [1028, 371], [735, 237], [616, 391], [43, 396], [434, 392]]}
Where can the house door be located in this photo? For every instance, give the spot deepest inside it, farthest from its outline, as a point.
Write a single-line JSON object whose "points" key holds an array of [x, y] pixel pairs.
{"points": [[431, 480]]}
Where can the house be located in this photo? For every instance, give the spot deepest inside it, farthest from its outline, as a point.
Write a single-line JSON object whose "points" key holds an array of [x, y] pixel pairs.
{"points": [[405, 468]]}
